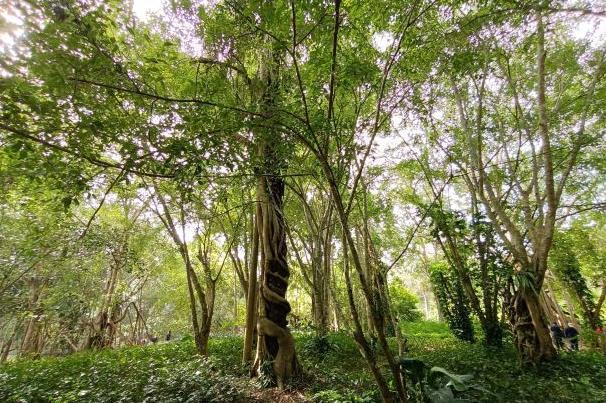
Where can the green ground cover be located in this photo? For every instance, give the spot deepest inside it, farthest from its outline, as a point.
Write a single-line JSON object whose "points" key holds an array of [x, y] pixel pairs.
{"points": [[335, 371]]}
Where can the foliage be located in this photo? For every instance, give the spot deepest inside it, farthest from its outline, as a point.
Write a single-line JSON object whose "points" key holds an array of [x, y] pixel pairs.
{"points": [[435, 385], [318, 346], [567, 267], [340, 376], [195, 381], [126, 143], [477, 260], [153, 373], [573, 377], [333, 396], [403, 302], [579, 264], [337, 375], [452, 301]]}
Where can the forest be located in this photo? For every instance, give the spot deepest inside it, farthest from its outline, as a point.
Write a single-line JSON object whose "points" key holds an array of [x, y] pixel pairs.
{"points": [[302, 201]]}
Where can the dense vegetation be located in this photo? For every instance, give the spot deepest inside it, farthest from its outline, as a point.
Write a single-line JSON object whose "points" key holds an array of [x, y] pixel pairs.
{"points": [[170, 371], [302, 200]]}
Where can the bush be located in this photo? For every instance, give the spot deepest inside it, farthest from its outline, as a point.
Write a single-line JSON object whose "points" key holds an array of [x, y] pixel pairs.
{"points": [[452, 301], [318, 347], [195, 381], [404, 303]]}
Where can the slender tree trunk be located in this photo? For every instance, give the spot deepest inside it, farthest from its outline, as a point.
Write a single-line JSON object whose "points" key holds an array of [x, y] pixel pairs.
{"points": [[6, 346], [317, 286], [338, 319], [361, 341], [558, 307], [378, 316], [327, 271], [251, 302], [206, 324], [101, 327]]}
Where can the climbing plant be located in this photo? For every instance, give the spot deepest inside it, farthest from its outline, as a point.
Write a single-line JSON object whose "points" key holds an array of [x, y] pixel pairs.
{"points": [[452, 301]]}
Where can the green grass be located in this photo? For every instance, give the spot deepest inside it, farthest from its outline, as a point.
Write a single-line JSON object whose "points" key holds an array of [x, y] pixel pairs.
{"points": [[334, 372]]}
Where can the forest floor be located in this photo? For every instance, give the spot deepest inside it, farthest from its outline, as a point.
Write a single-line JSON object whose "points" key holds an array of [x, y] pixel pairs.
{"points": [[334, 372]]}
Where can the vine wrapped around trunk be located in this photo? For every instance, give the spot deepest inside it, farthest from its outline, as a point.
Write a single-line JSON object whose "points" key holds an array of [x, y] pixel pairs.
{"points": [[276, 343]]}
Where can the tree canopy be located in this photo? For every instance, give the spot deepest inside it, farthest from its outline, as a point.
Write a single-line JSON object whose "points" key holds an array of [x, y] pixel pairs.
{"points": [[275, 168]]}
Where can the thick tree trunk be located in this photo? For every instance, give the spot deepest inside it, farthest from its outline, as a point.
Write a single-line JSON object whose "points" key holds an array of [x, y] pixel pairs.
{"points": [[30, 343], [275, 343], [530, 329]]}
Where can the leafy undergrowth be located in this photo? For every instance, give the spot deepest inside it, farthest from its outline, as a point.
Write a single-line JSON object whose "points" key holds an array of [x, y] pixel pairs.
{"points": [[160, 373], [573, 377], [334, 372]]}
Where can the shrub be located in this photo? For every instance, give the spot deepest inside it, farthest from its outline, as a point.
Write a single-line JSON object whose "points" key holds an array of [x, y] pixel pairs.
{"points": [[452, 301], [318, 346], [195, 381], [403, 303]]}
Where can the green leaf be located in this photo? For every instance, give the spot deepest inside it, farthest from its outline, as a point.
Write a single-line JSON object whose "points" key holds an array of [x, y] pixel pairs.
{"points": [[455, 380]]}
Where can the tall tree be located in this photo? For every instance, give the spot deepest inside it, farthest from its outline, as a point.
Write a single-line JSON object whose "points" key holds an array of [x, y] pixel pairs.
{"points": [[516, 151]]}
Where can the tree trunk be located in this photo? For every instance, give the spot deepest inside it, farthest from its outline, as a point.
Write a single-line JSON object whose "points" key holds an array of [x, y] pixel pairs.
{"points": [[29, 344], [317, 280], [201, 344], [377, 315], [552, 297], [102, 326], [252, 300], [530, 332], [6, 346], [361, 341], [275, 342]]}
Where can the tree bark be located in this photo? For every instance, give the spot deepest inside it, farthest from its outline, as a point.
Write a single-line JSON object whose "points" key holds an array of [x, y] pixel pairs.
{"points": [[6, 346], [251, 301], [275, 343], [530, 329], [29, 344], [361, 341]]}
